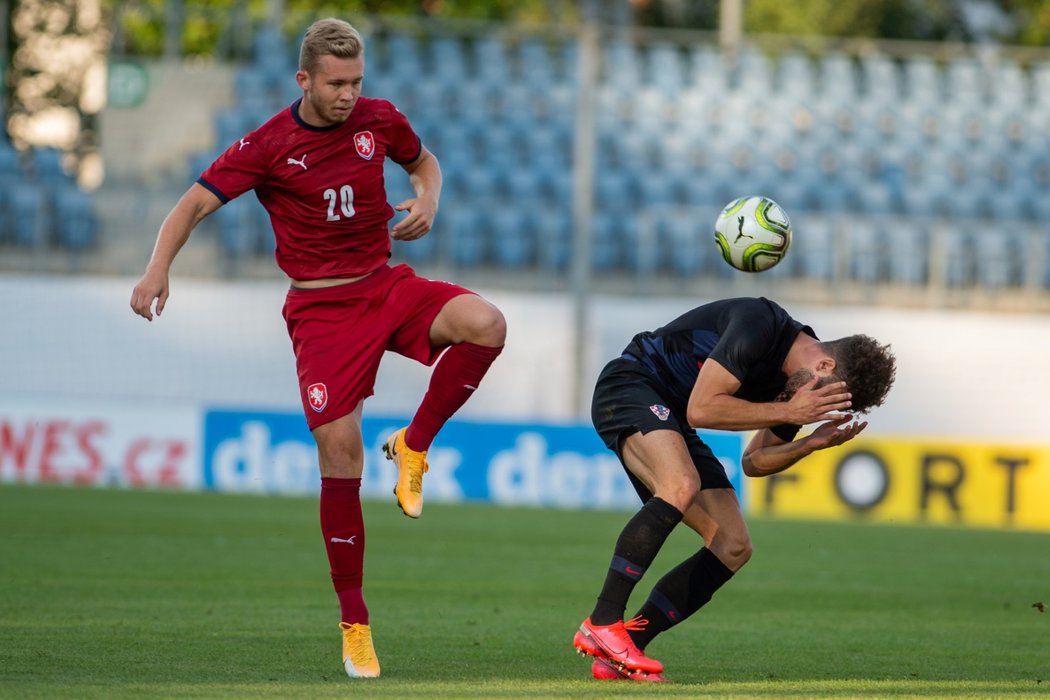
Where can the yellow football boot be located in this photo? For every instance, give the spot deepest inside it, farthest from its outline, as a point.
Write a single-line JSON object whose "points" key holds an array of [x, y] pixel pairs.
{"points": [[411, 466]]}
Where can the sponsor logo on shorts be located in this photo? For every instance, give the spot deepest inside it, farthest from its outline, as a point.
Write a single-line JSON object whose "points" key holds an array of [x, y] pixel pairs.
{"points": [[661, 412], [317, 395], [365, 144]]}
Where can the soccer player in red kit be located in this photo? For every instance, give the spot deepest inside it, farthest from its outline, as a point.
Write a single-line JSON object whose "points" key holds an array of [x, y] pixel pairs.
{"points": [[317, 168]]}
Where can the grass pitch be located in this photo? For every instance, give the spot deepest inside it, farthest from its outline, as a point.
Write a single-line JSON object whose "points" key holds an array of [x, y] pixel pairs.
{"points": [[111, 594]]}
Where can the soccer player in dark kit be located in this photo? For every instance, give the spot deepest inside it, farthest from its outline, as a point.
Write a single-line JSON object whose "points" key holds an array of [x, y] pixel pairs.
{"points": [[736, 364], [317, 168]]}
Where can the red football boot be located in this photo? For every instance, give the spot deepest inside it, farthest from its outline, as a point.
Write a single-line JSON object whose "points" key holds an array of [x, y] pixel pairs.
{"points": [[603, 670], [612, 642]]}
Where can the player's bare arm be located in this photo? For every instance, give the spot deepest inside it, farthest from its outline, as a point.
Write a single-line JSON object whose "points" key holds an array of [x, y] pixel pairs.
{"points": [[767, 454], [196, 204], [712, 403], [425, 175]]}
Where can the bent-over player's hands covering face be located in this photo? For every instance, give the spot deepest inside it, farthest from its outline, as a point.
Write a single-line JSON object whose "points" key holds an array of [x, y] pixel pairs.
{"points": [[808, 402], [836, 431]]}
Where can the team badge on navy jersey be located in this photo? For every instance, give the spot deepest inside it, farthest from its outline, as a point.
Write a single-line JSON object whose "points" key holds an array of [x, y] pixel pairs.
{"points": [[365, 144], [317, 395], [661, 412]]}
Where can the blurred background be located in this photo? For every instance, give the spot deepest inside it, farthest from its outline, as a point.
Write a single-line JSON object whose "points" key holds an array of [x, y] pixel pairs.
{"points": [[586, 148]]}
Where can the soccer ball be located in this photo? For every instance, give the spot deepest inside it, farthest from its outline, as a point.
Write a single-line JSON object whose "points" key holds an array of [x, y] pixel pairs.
{"points": [[753, 233]]}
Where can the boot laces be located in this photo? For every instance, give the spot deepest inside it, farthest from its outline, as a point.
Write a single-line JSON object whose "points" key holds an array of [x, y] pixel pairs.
{"points": [[359, 642], [416, 464], [635, 624]]}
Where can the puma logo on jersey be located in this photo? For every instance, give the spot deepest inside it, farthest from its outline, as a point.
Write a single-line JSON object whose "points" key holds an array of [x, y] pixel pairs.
{"points": [[243, 144], [301, 162]]}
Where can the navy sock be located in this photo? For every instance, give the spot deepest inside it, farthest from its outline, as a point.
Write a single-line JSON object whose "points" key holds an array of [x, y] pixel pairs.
{"points": [[637, 546], [684, 590]]}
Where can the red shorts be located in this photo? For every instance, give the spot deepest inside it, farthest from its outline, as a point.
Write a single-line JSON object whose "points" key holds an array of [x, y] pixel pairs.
{"points": [[339, 334]]}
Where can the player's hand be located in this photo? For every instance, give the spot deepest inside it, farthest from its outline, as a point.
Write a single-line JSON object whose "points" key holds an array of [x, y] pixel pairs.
{"points": [[810, 405], [153, 285], [421, 212], [835, 432]]}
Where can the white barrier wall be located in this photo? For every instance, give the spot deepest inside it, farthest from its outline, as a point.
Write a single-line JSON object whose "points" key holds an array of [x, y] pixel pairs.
{"points": [[960, 375]]}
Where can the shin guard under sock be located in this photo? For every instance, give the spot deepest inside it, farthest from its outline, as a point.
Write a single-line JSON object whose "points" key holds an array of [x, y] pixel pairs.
{"points": [[680, 593], [343, 528], [637, 546], [456, 377]]}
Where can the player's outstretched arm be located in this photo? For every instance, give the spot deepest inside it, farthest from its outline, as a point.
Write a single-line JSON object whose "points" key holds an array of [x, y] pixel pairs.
{"points": [[196, 204], [767, 454]]}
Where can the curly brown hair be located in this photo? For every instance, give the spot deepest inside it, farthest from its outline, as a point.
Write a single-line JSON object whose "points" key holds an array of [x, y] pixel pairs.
{"points": [[867, 367]]}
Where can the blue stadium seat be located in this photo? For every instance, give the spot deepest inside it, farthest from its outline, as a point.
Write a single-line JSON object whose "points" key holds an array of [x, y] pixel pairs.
{"points": [[251, 83], [1009, 85], [644, 248], [964, 82], [609, 240], [423, 250], [491, 60], [26, 203], [465, 239], [689, 239], [76, 224], [269, 44], [873, 196], [47, 167], [229, 127], [707, 72], [568, 53], [814, 244], [881, 80], [238, 228], [838, 78], [908, 248], [554, 239], [795, 194], [795, 75], [865, 246], [753, 74], [511, 235], [11, 169], [400, 56], [665, 68], [657, 188], [834, 195], [615, 187], [1000, 254], [621, 63], [922, 80], [960, 268], [447, 59], [535, 63], [524, 186], [1040, 84]]}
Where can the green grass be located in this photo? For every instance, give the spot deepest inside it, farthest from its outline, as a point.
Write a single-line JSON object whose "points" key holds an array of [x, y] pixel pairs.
{"points": [[109, 594]]}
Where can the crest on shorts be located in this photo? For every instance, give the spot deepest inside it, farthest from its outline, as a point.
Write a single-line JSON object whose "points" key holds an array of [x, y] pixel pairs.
{"points": [[317, 395], [661, 412], [365, 144]]}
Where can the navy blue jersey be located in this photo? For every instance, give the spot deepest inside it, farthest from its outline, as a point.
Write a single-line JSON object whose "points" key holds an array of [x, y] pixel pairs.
{"points": [[749, 337]]}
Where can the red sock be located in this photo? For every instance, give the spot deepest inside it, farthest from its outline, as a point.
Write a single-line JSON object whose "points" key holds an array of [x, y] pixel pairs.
{"points": [[457, 375], [343, 528]]}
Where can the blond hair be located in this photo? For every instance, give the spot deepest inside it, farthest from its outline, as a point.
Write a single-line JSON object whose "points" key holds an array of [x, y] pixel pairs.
{"points": [[329, 37]]}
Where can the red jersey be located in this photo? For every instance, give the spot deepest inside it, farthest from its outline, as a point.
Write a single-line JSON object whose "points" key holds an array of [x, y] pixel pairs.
{"points": [[322, 186]]}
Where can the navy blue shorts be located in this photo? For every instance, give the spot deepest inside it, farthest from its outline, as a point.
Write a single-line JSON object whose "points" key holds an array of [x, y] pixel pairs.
{"points": [[627, 400]]}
